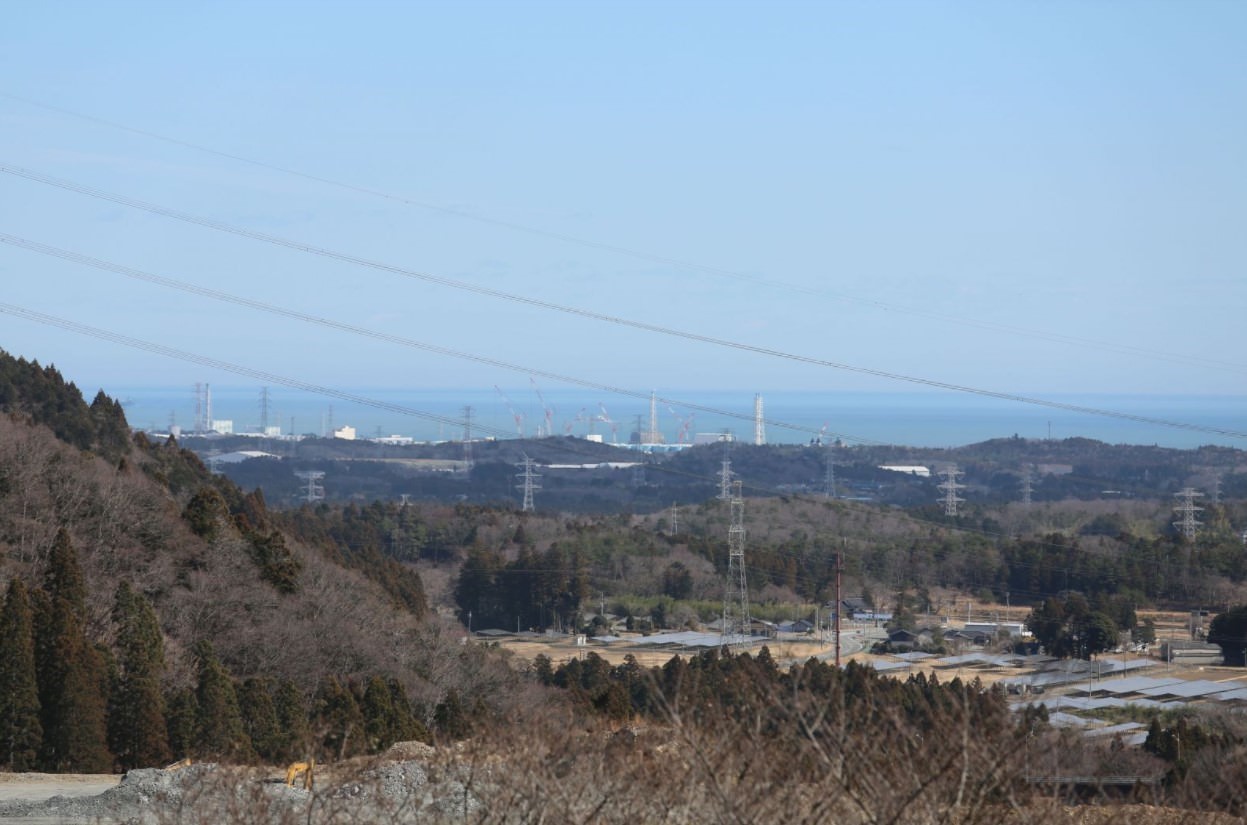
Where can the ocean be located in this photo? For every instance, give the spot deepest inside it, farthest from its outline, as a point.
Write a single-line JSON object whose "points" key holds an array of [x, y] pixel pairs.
{"points": [[922, 419]]}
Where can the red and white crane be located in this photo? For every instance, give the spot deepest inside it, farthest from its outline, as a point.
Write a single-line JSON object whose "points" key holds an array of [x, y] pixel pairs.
{"points": [[517, 417]]}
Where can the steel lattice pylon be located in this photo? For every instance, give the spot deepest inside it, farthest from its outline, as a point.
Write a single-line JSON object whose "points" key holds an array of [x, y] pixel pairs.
{"points": [[736, 622]]}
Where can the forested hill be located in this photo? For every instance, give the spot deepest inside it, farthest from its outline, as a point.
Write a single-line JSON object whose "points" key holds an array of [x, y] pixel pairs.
{"points": [[44, 397], [136, 583]]}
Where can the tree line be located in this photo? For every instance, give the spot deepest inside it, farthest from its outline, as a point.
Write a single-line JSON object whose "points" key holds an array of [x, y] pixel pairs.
{"points": [[68, 704]]}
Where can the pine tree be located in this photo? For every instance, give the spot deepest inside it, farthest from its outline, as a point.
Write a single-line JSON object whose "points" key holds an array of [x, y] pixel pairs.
{"points": [[21, 733], [221, 734], [137, 729], [73, 680]]}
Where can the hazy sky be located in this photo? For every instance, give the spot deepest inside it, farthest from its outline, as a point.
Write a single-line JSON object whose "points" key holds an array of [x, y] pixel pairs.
{"points": [[1026, 197]]}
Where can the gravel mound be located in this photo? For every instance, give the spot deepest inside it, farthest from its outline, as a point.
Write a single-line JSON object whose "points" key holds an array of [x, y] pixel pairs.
{"points": [[208, 793]]}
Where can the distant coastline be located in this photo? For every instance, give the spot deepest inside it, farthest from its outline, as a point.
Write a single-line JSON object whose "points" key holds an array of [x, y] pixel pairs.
{"points": [[933, 419]]}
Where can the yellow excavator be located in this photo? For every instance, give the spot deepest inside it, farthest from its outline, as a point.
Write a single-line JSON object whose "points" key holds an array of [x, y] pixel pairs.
{"points": [[304, 769]]}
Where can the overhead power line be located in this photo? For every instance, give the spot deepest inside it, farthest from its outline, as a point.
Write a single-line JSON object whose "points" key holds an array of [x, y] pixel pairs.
{"points": [[993, 326], [218, 295], [270, 378], [301, 246], [225, 366]]}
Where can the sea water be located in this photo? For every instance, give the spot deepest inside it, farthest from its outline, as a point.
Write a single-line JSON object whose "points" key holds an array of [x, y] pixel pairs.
{"points": [[922, 419]]}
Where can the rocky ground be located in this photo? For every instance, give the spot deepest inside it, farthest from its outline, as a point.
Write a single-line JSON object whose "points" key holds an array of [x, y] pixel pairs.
{"points": [[402, 790]]}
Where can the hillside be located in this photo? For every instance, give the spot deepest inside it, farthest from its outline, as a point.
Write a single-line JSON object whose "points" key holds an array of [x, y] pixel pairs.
{"points": [[143, 527]]}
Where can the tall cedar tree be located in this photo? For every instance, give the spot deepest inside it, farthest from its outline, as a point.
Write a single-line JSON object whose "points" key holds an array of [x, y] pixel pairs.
{"points": [[21, 733], [73, 680], [259, 718], [338, 720], [182, 720], [137, 729], [379, 719], [406, 727], [221, 733], [292, 723]]}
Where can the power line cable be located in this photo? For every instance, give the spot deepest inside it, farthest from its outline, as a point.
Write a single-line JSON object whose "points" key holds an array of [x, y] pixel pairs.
{"points": [[225, 366], [271, 378], [218, 295], [1120, 348], [591, 314]]}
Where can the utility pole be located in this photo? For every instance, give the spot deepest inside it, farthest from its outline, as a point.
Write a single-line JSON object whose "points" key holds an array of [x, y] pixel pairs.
{"points": [[736, 622], [839, 603]]}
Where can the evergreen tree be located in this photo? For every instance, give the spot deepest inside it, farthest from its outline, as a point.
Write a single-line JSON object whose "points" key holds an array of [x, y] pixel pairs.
{"points": [[259, 718], [182, 721], [338, 720], [64, 577], [407, 728], [451, 717], [73, 680], [137, 729], [292, 724], [221, 734], [21, 733], [206, 513], [379, 717], [112, 433]]}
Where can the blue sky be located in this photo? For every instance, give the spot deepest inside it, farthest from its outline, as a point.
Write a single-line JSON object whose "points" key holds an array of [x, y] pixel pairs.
{"points": [[1024, 197]]}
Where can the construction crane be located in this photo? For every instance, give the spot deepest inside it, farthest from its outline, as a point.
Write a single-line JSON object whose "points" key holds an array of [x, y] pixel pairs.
{"points": [[683, 425], [570, 425], [546, 409], [685, 429], [517, 417], [605, 418]]}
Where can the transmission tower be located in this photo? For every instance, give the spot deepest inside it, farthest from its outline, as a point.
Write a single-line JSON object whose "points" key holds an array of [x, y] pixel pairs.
{"points": [[528, 483], [467, 440], [829, 475], [1189, 525], [1026, 484], [675, 518], [759, 423], [315, 491], [736, 623], [725, 478], [1216, 491], [950, 488], [638, 476]]}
